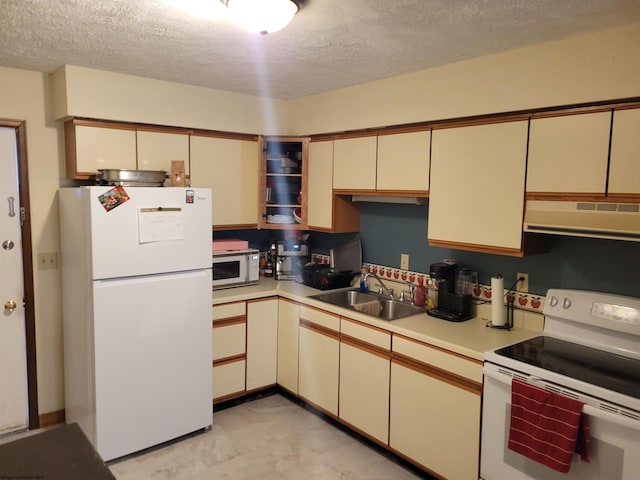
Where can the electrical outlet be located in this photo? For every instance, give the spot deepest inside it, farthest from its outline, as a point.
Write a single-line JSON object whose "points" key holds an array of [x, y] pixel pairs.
{"points": [[523, 285], [48, 261], [404, 261]]}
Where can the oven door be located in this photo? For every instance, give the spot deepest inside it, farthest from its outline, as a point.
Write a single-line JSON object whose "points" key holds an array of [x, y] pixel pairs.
{"points": [[614, 449]]}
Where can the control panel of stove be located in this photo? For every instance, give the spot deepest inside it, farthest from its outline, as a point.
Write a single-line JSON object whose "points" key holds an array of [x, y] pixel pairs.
{"points": [[602, 310]]}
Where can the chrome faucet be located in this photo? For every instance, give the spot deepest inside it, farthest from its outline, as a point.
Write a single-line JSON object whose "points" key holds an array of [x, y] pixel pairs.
{"points": [[386, 289]]}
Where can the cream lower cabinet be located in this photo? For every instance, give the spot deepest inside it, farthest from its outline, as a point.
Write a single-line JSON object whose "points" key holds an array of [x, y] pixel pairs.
{"points": [[229, 350], [435, 409], [476, 198], [287, 367], [319, 358], [262, 343], [231, 169], [365, 362]]}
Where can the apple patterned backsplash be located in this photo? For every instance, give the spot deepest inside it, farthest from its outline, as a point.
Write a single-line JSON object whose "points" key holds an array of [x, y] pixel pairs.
{"points": [[524, 301]]}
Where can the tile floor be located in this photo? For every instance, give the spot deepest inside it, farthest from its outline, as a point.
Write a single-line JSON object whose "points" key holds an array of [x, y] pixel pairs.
{"points": [[271, 438]]}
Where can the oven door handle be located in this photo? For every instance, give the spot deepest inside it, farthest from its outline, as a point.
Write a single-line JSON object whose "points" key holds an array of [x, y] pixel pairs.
{"points": [[595, 412]]}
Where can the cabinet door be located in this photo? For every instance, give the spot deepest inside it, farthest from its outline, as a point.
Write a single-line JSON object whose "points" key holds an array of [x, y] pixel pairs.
{"points": [[476, 196], [320, 191], [102, 148], [403, 162], [262, 343], [283, 184], [319, 353], [354, 163], [435, 423], [288, 315], [365, 362], [624, 168], [231, 169], [569, 154], [156, 150]]}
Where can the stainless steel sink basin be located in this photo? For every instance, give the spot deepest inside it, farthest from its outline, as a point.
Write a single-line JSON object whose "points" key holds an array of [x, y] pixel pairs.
{"points": [[353, 300]]}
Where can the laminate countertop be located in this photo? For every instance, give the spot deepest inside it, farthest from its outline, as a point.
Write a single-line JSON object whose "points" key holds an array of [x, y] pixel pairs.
{"points": [[470, 338]]}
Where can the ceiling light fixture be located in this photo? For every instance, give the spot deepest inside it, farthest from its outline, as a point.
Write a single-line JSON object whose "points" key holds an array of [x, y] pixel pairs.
{"points": [[262, 16]]}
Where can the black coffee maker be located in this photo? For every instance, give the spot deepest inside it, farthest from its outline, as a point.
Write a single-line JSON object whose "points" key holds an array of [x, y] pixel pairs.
{"points": [[451, 306]]}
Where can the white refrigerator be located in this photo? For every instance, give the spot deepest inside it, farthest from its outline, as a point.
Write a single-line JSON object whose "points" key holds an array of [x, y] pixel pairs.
{"points": [[136, 273]]}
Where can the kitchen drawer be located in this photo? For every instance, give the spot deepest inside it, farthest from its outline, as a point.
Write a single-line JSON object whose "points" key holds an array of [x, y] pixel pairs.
{"points": [[439, 358], [228, 378], [318, 317], [229, 340]]}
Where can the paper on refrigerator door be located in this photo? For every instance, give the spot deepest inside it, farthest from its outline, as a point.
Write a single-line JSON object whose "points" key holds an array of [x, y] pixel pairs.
{"points": [[160, 224]]}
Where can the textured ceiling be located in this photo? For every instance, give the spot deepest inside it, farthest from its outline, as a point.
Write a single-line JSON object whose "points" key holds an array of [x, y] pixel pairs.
{"points": [[328, 45]]}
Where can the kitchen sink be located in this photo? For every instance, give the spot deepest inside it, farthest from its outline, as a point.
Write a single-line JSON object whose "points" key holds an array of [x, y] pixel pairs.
{"points": [[388, 309]]}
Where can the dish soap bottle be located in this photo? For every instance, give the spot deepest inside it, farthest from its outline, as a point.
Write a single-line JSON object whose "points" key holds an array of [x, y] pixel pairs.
{"points": [[363, 284]]}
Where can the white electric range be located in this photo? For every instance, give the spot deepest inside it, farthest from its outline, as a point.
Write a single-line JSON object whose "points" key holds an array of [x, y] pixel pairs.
{"points": [[589, 351]]}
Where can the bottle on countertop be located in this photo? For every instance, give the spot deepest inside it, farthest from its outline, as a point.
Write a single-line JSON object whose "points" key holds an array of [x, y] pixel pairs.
{"points": [[363, 284], [268, 267], [419, 295], [432, 294]]}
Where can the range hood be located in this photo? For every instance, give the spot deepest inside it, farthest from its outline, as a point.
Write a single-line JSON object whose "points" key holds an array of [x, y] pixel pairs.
{"points": [[617, 221], [389, 199]]}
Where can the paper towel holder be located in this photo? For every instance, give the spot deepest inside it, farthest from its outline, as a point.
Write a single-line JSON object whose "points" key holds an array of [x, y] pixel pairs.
{"points": [[510, 301]]}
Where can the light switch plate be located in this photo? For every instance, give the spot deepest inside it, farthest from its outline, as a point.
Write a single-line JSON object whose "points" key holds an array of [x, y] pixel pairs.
{"points": [[404, 261]]}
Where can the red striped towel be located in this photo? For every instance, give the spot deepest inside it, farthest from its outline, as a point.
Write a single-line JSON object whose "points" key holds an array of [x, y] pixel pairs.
{"points": [[546, 427]]}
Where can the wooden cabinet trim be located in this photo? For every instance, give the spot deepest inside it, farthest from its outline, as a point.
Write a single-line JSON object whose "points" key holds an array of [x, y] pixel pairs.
{"points": [[262, 299], [366, 325], [319, 329], [439, 349], [499, 117], [224, 361], [365, 346], [437, 373], [225, 322]]}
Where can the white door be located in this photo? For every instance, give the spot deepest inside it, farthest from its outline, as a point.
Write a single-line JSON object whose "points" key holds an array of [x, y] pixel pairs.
{"points": [[13, 366]]}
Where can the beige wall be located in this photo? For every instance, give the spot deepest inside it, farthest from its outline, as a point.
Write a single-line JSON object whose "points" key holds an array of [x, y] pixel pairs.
{"points": [[601, 66], [23, 96], [86, 92]]}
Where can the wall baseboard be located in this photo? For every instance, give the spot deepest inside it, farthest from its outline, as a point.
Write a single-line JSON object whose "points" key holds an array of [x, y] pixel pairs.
{"points": [[51, 418]]}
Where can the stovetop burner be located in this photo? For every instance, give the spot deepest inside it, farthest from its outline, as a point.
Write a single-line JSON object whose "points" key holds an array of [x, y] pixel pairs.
{"points": [[608, 370]]}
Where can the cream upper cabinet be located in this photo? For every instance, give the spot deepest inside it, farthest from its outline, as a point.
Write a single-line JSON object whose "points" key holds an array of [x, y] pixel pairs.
{"points": [[476, 197], [90, 148], [156, 150], [569, 154], [354, 163], [320, 185], [230, 167], [403, 161], [624, 168]]}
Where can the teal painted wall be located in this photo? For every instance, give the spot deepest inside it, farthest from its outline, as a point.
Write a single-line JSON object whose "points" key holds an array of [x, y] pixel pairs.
{"points": [[388, 230]]}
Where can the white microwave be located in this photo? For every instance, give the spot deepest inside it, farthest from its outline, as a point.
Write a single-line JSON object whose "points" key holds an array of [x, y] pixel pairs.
{"points": [[235, 268]]}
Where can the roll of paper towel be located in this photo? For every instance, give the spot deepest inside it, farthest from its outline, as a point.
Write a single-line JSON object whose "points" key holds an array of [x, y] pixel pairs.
{"points": [[498, 312]]}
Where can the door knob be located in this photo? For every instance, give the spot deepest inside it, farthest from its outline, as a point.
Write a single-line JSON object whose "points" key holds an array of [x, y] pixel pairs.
{"points": [[10, 305]]}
